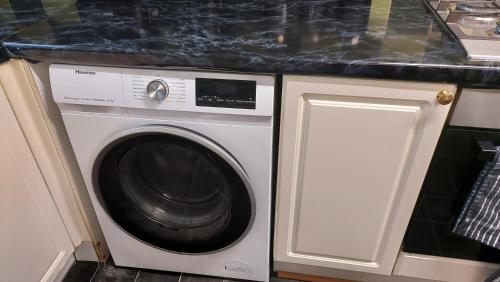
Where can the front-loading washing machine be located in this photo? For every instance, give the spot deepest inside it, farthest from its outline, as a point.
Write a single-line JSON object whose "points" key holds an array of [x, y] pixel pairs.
{"points": [[178, 164]]}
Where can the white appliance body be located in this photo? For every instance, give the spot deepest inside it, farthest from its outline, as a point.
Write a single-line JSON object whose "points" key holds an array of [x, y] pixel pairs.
{"points": [[101, 105]]}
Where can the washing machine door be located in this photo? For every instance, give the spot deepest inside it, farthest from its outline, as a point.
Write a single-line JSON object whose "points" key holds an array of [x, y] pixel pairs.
{"points": [[174, 189]]}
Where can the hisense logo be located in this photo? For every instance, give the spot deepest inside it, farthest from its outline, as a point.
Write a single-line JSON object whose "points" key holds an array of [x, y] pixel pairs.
{"points": [[84, 72]]}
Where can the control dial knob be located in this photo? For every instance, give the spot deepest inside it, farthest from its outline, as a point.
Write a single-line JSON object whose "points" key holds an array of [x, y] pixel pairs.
{"points": [[157, 90]]}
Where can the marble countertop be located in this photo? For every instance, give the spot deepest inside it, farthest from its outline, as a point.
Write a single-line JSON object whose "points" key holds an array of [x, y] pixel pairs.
{"points": [[18, 14], [398, 39]]}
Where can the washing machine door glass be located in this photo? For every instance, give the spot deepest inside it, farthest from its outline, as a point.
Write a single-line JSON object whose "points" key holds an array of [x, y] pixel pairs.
{"points": [[174, 189]]}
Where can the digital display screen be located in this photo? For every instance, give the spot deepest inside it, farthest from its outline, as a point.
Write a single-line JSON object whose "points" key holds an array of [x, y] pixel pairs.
{"points": [[225, 93]]}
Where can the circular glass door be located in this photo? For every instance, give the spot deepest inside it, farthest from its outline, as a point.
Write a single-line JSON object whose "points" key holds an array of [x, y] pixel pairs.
{"points": [[174, 189]]}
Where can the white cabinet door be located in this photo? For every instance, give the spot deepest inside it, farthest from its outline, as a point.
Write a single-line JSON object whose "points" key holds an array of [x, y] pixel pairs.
{"points": [[34, 244], [353, 155]]}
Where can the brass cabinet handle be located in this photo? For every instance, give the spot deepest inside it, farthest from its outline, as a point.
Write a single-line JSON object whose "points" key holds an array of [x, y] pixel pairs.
{"points": [[444, 97]]}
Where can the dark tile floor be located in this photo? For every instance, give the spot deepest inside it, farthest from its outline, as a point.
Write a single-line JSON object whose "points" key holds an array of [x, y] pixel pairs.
{"points": [[84, 271]]}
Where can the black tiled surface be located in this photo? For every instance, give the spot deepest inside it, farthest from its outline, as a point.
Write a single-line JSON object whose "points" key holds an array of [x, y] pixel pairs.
{"points": [[81, 271], [111, 273], [443, 186], [439, 208], [420, 238], [157, 276], [453, 245], [449, 181], [421, 210], [86, 271], [200, 278]]}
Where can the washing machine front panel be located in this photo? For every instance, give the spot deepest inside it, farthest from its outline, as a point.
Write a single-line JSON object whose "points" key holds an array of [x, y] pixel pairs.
{"points": [[174, 189], [252, 249], [234, 141]]}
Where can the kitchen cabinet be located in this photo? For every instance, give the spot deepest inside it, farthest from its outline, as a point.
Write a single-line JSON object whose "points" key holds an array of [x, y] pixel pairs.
{"points": [[34, 243], [352, 157], [27, 89]]}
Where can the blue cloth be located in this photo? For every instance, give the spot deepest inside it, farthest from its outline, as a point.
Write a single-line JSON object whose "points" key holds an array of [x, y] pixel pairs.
{"points": [[480, 216]]}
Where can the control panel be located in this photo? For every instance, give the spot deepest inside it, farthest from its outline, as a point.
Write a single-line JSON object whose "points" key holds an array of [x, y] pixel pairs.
{"points": [[156, 89], [193, 91]]}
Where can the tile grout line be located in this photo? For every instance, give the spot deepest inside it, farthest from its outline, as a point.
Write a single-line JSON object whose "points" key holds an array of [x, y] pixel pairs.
{"points": [[137, 276], [95, 272]]}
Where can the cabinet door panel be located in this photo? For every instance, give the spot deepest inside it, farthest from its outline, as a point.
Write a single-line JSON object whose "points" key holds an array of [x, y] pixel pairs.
{"points": [[34, 243], [335, 149], [353, 155]]}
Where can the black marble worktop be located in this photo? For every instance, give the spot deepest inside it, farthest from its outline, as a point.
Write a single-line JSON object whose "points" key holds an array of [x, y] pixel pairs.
{"points": [[18, 14], [358, 38]]}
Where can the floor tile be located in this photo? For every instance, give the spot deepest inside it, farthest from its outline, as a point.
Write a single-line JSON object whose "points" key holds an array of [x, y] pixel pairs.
{"points": [[199, 278], [157, 276], [271, 279], [81, 271], [84, 271], [110, 273]]}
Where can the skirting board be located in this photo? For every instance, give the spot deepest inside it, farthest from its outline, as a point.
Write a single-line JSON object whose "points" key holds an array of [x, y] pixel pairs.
{"points": [[86, 252], [308, 277], [286, 267], [442, 268], [67, 266]]}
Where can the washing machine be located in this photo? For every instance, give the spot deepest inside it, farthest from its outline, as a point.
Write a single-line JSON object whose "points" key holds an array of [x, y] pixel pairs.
{"points": [[178, 164]]}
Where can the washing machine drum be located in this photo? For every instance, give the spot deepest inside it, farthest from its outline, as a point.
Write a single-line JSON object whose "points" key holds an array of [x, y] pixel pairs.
{"points": [[174, 192]]}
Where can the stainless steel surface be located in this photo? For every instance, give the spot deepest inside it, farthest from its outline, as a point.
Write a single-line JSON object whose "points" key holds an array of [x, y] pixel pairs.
{"points": [[482, 49], [475, 23], [477, 108], [157, 90], [473, 26], [475, 7]]}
